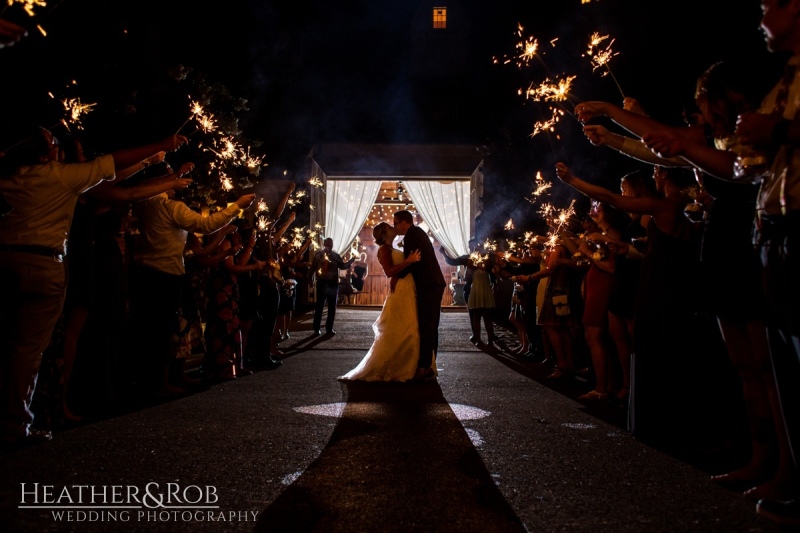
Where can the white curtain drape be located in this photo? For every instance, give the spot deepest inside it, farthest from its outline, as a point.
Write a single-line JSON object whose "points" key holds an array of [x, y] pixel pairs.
{"points": [[444, 206], [347, 205]]}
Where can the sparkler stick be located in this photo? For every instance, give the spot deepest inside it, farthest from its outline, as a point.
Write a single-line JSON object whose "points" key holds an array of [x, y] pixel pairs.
{"points": [[601, 58], [183, 125]]}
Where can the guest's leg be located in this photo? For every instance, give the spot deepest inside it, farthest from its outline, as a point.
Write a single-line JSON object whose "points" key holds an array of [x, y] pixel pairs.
{"points": [[31, 298], [331, 295], [319, 294]]}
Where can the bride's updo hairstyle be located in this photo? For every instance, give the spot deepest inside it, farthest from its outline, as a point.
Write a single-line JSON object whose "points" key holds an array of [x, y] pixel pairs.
{"points": [[379, 233]]}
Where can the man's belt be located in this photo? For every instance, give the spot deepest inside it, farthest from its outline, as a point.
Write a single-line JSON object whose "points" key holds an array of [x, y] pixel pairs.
{"points": [[56, 255]]}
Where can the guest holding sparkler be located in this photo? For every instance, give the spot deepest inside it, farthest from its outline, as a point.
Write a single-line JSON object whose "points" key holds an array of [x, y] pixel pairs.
{"points": [[223, 332], [156, 280], [523, 300], [605, 226], [324, 269], [96, 283], [770, 131], [41, 191], [202, 256], [247, 281], [553, 305], [469, 268], [722, 93], [664, 312], [291, 266], [481, 301], [629, 253], [775, 128], [264, 349]]}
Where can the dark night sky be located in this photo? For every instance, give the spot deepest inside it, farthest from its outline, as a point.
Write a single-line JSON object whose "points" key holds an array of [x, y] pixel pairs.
{"points": [[324, 71]]}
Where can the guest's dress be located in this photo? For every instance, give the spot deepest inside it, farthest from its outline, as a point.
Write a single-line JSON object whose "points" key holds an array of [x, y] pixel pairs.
{"points": [[223, 334]]}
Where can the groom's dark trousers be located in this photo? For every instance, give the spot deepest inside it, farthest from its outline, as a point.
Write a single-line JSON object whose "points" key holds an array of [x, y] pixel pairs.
{"points": [[430, 285]]}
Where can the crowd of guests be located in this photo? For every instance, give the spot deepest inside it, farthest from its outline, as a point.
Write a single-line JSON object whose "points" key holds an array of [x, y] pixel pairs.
{"points": [[696, 290], [148, 283]]}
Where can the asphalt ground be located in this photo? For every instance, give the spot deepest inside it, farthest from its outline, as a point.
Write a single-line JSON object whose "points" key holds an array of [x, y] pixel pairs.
{"points": [[491, 446]]}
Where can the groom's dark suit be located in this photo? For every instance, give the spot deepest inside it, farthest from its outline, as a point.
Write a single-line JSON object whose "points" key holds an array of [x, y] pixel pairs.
{"points": [[430, 287]]}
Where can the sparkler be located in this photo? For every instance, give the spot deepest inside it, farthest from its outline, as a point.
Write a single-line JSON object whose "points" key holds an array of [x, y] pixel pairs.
{"points": [[75, 109], [547, 124], [601, 58], [296, 198], [548, 91], [477, 259], [509, 225], [541, 186], [315, 182], [226, 182], [556, 219], [28, 5]]}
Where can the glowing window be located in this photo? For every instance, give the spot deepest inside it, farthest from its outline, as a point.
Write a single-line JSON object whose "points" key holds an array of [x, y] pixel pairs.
{"points": [[439, 17]]}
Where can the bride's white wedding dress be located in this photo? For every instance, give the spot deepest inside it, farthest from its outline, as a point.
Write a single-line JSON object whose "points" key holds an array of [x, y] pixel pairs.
{"points": [[395, 351]]}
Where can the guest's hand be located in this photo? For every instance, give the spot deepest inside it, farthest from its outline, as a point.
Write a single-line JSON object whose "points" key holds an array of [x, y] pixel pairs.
{"points": [[245, 201], [185, 169], [665, 143], [632, 104], [564, 173], [586, 111], [181, 183], [155, 159], [170, 144], [597, 135]]}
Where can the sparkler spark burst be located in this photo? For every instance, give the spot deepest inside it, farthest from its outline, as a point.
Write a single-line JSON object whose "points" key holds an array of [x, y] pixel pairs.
{"points": [[540, 187], [547, 124], [509, 224], [29, 5], [315, 182], [527, 48], [75, 110], [550, 91], [600, 58], [477, 259]]}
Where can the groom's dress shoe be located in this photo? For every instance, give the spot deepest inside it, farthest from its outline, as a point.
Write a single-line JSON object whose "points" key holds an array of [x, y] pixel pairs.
{"points": [[331, 332], [317, 333], [424, 374]]}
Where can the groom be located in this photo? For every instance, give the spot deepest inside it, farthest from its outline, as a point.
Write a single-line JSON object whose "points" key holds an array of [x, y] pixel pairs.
{"points": [[430, 287]]}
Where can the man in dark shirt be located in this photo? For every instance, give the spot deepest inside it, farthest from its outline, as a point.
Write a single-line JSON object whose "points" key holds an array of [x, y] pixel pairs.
{"points": [[325, 270]]}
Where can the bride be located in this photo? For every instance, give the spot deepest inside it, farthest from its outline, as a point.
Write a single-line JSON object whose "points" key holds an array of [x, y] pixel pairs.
{"points": [[395, 351]]}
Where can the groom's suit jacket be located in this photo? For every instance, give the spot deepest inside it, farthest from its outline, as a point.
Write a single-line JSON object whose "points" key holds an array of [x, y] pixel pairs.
{"points": [[427, 272]]}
